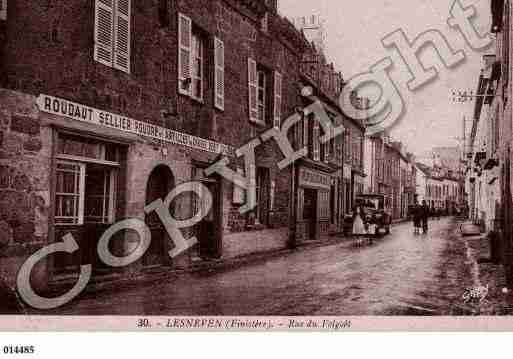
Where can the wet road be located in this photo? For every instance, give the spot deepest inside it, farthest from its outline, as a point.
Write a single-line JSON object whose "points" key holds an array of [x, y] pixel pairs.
{"points": [[401, 274]]}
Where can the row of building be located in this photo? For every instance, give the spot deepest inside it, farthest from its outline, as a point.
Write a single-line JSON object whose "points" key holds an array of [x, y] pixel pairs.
{"points": [[108, 105], [488, 148]]}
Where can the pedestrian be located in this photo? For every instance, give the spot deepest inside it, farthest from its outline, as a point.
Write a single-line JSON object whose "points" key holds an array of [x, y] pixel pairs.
{"points": [[424, 216], [417, 218], [358, 226]]}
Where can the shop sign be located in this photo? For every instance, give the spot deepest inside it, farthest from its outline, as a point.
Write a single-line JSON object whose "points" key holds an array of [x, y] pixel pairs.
{"points": [[309, 178], [75, 111]]}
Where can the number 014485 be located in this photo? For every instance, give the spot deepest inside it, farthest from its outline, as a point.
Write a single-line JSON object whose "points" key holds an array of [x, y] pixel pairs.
{"points": [[18, 349]]}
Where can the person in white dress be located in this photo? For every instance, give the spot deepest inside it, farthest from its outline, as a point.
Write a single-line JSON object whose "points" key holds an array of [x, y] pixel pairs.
{"points": [[358, 225]]}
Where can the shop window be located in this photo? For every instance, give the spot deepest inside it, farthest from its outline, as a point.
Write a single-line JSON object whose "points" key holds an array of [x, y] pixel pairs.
{"points": [[85, 181], [99, 195], [69, 196]]}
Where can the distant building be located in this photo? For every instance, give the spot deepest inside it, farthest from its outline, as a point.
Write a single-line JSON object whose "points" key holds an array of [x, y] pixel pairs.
{"points": [[314, 29]]}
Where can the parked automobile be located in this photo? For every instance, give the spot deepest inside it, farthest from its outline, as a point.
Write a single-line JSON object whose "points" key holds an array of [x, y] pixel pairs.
{"points": [[373, 206]]}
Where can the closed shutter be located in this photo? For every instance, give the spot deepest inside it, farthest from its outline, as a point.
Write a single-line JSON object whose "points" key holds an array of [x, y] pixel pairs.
{"points": [[3, 9], [103, 37], [219, 73], [277, 99], [184, 55], [253, 92], [122, 36]]}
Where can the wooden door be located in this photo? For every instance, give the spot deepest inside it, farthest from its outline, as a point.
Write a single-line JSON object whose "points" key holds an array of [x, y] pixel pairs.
{"points": [[160, 183]]}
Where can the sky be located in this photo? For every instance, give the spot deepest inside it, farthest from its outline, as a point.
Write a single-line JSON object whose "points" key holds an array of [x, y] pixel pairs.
{"points": [[354, 32]]}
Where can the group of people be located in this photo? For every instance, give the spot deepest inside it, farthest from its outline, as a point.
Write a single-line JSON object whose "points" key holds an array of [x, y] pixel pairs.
{"points": [[362, 229], [420, 216]]}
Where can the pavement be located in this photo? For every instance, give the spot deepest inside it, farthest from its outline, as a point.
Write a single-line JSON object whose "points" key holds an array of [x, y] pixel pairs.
{"points": [[402, 274]]}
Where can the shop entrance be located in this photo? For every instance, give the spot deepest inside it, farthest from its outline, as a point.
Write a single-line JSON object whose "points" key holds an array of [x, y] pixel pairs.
{"points": [[209, 229], [160, 183], [310, 212]]}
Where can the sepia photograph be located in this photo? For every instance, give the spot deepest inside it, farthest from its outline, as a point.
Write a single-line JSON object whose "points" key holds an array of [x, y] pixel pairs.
{"points": [[261, 165]]}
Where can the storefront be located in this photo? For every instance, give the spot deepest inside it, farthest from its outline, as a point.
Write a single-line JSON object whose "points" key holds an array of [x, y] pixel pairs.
{"points": [[103, 168], [313, 212]]}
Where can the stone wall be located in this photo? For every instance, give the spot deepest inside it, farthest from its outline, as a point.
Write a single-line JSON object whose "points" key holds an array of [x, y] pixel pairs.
{"points": [[25, 161]]}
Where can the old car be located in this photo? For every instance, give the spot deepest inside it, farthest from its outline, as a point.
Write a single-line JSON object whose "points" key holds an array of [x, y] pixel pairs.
{"points": [[373, 206]]}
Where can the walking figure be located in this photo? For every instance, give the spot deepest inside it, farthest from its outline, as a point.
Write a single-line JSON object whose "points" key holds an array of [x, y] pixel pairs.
{"points": [[424, 217], [417, 218]]}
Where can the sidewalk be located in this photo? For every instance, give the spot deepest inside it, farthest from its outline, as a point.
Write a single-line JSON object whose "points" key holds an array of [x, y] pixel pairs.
{"points": [[236, 257], [485, 273]]}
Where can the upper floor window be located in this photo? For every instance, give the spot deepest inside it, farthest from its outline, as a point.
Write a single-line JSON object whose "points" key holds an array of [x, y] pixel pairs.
{"points": [[197, 68], [261, 94], [192, 59], [260, 99], [112, 33]]}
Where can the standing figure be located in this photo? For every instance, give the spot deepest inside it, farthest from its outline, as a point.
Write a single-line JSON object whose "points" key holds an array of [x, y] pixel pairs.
{"points": [[358, 226], [417, 218], [424, 217]]}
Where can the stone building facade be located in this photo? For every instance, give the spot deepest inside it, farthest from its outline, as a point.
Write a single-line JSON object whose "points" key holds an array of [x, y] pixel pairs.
{"points": [[111, 105]]}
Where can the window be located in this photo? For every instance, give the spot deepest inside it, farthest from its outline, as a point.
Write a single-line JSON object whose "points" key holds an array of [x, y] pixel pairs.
{"points": [[191, 63], [197, 67], [112, 33], [69, 206], [261, 93], [3, 9], [85, 181], [264, 22], [99, 186]]}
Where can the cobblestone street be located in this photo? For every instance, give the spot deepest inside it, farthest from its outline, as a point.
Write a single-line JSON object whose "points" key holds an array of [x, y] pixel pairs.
{"points": [[402, 274]]}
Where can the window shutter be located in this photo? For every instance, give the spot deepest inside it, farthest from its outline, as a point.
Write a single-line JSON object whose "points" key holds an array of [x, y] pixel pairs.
{"points": [[103, 31], [253, 93], [219, 73], [3, 9], [277, 99], [122, 36], [184, 54], [316, 142]]}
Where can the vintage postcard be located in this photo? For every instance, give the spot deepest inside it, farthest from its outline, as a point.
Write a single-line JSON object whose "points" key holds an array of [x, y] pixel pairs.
{"points": [[256, 165]]}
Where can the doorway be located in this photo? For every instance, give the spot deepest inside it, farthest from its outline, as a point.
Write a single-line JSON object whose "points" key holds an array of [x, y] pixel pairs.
{"points": [[310, 212], [160, 183], [209, 229]]}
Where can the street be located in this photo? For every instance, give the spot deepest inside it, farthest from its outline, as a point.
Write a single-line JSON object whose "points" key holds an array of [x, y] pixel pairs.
{"points": [[401, 274]]}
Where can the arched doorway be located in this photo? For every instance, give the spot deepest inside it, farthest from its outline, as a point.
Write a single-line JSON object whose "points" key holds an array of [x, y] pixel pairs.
{"points": [[160, 183]]}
